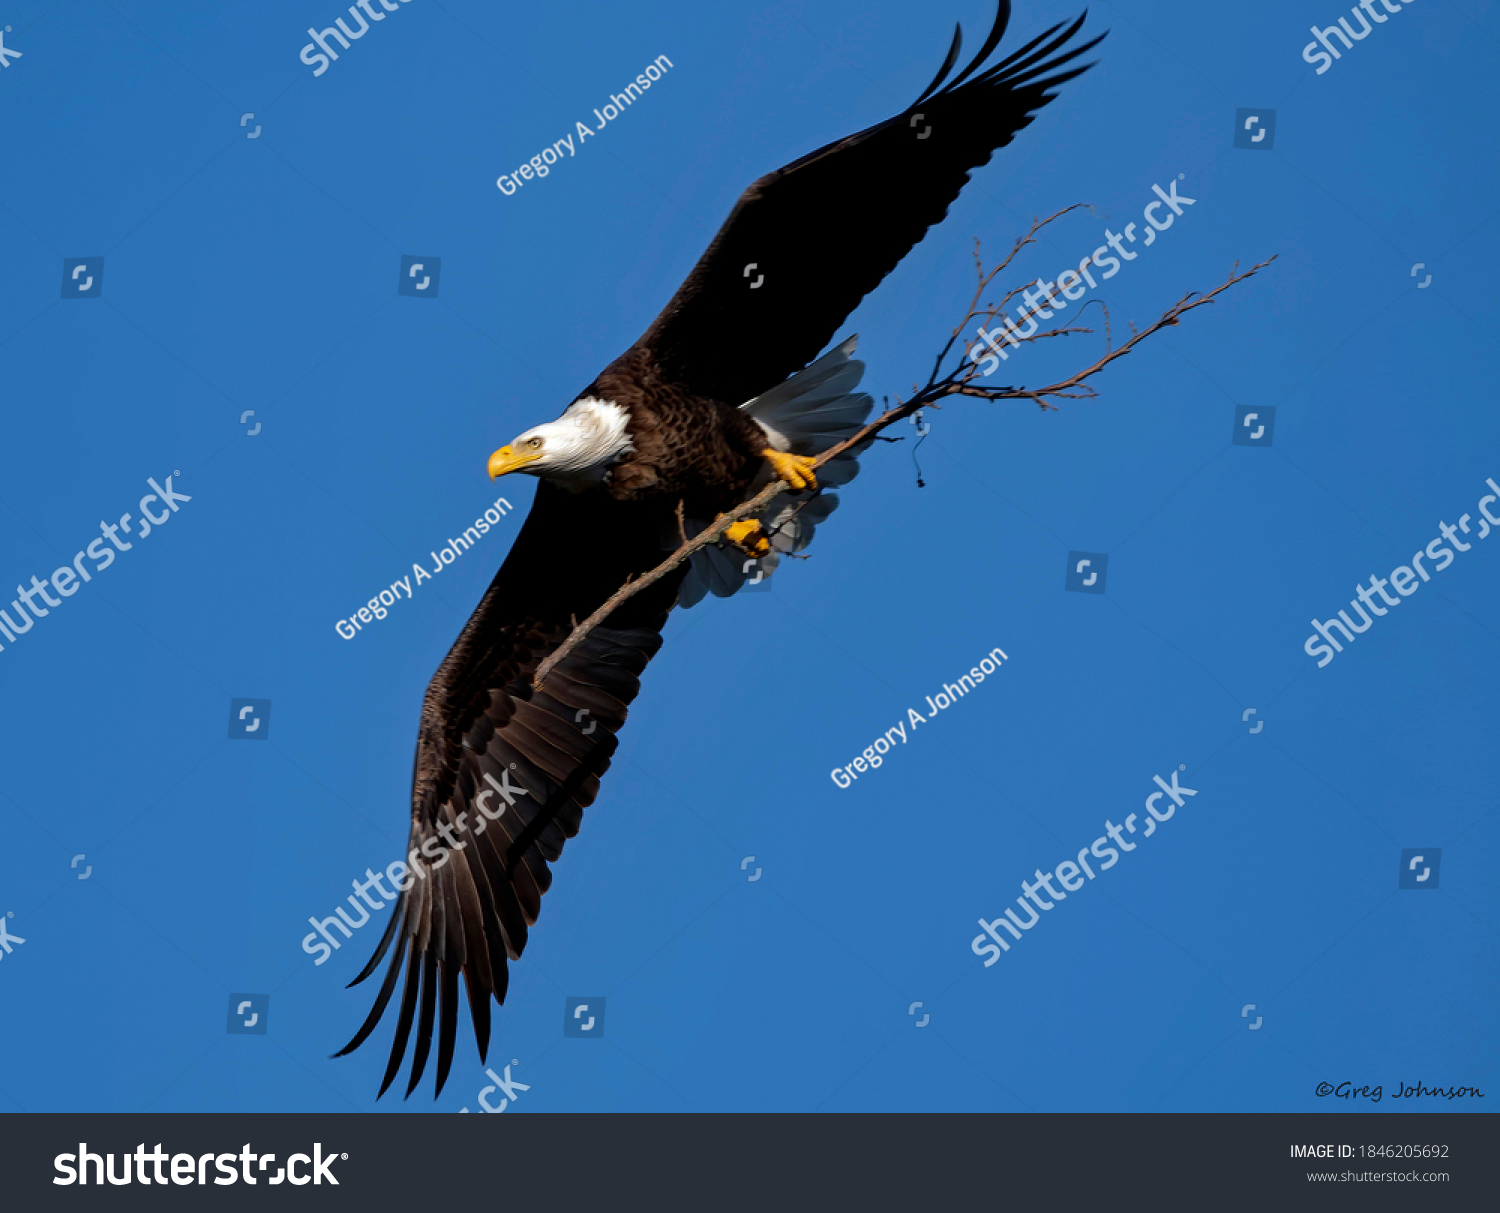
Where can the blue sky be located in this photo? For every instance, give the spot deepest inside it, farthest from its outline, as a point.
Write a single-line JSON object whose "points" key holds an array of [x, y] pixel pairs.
{"points": [[260, 274]]}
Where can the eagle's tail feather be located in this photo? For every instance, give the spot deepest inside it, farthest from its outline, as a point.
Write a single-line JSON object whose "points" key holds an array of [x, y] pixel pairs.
{"points": [[814, 409], [720, 570]]}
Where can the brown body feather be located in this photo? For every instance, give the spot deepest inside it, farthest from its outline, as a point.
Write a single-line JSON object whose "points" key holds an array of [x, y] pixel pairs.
{"points": [[687, 447]]}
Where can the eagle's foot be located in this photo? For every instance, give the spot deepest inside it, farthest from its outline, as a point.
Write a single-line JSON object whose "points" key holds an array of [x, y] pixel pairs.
{"points": [[749, 536], [795, 470]]}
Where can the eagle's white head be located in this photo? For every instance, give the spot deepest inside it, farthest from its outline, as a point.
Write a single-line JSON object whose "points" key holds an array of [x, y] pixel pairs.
{"points": [[576, 450]]}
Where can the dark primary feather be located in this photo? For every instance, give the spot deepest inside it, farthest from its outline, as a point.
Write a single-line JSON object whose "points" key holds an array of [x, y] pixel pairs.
{"points": [[470, 916], [825, 230]]}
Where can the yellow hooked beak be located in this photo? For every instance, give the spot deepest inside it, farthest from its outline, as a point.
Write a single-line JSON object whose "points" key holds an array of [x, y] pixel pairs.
{"points": [[507, 460]]}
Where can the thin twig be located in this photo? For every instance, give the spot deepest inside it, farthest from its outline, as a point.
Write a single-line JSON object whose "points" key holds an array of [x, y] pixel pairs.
{"points": [[957, 382]]}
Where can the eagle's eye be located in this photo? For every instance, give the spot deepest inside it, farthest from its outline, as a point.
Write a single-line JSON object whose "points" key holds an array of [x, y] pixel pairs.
{"points": [[534, 443]]}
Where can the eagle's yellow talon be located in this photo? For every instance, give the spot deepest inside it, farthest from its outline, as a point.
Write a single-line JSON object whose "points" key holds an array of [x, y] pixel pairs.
{"points": [[749, 536], [795, 470]]}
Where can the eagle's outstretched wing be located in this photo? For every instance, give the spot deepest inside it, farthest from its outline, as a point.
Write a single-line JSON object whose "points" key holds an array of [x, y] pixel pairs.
{"points": [[503, 773], [806, 243]]}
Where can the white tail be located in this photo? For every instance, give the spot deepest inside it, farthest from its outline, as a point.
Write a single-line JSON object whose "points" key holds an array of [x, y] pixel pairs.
{"points": [[806, 415]]}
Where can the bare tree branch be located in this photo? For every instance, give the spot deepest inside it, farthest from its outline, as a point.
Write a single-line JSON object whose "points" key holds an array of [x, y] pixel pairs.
{"points": [[960, 380]]}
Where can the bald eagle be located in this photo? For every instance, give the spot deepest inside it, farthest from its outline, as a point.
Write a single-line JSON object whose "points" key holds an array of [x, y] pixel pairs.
{"points": [[719, 396]]}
